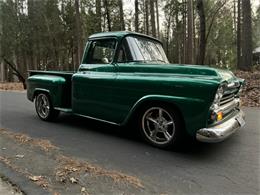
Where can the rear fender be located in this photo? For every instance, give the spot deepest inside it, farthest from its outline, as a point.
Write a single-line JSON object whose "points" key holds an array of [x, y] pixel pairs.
{"points": [[52, 85], [55, 98], [38, 91]]}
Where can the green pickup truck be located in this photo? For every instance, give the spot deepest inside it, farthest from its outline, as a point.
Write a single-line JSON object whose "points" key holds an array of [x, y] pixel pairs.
{"points": [[125, 78]]}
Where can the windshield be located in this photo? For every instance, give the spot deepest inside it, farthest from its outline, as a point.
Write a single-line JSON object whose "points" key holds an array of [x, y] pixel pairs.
{"points": [[146, 50]]}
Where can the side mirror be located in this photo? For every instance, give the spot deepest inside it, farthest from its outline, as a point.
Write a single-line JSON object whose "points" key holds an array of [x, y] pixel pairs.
{"points": [[105, 61]]}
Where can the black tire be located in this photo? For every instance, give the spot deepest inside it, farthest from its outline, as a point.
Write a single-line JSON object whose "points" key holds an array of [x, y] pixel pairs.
{"points": [[160, 125], [44, 107]]}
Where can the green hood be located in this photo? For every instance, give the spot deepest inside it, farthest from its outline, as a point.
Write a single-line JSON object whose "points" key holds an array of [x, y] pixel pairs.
{"points": [[166, 70], [191, 71]]}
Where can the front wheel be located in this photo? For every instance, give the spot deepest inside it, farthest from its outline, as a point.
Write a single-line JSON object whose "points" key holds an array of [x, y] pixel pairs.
{"points": [[160, 125], [44, 108]]}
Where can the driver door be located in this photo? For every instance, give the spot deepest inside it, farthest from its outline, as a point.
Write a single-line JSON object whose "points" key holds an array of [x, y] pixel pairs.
{"points": [[93, 92]]}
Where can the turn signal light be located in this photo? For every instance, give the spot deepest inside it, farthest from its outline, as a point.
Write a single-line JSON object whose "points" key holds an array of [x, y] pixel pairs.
{"points": [[219, 116]]}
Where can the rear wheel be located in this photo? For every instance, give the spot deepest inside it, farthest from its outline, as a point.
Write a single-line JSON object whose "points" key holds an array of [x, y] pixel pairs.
{"points": [[44, 108], [160, 125]]}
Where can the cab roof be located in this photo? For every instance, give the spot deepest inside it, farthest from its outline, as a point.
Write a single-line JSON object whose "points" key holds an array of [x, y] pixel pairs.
{"points": [[120, 34]]}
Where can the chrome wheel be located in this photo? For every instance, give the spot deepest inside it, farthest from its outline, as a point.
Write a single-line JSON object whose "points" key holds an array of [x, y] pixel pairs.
{"points": [[42, 106], [158, 125]]}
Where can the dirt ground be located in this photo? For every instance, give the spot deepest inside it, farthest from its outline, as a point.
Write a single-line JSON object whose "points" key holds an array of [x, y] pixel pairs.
{"points": [[7, 189], [44, 164], [251, 90], [11, 86], [250, 94]]}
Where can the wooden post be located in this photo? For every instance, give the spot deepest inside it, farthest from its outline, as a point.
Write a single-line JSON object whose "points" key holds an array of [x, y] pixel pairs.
{"points": [[2, 79]]}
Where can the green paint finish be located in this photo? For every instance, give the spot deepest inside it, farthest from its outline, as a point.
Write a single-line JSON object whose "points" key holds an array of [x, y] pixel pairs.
{"points": [[47, 79], [58, 87], [114, 92]]}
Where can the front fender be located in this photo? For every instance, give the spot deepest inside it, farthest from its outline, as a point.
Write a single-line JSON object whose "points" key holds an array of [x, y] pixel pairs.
{"points": [[194, 111]]}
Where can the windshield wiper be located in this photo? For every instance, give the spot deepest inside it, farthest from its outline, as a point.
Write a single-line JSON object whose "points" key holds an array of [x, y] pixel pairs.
{"points": [[158, 60], [146, 61], [143, 61], [161, 61]]}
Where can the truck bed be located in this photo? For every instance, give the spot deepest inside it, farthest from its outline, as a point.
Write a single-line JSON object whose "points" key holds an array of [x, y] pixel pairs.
{"points": [[65, 74], [36, 78]]}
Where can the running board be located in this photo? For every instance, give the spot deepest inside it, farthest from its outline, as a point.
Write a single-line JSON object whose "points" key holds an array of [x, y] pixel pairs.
{"points": [[67, 110]]}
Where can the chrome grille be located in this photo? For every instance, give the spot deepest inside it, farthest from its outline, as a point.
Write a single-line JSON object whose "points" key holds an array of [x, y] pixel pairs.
{"points": [[227, 98], [229, 95]]}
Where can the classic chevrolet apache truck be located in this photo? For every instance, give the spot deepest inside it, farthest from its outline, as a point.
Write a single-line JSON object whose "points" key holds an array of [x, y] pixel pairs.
{"points": [[125, 78]]}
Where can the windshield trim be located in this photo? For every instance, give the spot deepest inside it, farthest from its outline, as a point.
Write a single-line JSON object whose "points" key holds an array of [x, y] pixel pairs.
{"points": [[138, 55]]}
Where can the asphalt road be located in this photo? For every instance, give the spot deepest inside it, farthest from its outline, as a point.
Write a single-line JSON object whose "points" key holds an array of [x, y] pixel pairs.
{"points": [[230, 167]]}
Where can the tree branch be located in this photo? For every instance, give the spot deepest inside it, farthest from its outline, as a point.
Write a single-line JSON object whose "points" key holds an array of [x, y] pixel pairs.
{"points": [[16, 72], [213, 18]]}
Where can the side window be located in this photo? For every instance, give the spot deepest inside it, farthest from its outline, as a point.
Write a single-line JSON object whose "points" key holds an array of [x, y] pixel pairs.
{"points": [[124, 54], [121, 55], [101, 51]]}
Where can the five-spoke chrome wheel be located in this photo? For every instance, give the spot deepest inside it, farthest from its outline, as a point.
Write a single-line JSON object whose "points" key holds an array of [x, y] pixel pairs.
{"points": [[160, 125], [44, 107]]}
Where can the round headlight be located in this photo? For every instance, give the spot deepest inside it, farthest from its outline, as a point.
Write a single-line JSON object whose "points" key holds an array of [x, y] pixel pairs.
{"points": [[218, 97], [219, 93]]}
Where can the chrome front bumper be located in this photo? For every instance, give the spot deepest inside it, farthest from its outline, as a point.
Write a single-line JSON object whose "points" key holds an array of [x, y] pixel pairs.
{"points": [[222, 131]]}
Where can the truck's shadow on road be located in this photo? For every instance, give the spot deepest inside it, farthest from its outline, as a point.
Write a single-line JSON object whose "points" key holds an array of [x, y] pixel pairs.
{"points": [[190, 147]]}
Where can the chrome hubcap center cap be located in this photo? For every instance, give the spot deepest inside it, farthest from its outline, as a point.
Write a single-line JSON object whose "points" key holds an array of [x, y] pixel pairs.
{"points": [[161, 125]]}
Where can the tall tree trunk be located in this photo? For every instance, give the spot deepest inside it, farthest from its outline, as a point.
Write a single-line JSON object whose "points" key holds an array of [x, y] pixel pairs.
{"points": [[136, 16], [152, 18], [121, 13], [214, 14], [202, 43], [108, 15], [147, 17], [194, 38], [2, 71], [190, 33], [157, 18], [234, 15], [246, 36], [184, 41], [177, 34], [79, 49], [33, 38], [98, 15], [168, 27], [238, 33], [2, 68]]}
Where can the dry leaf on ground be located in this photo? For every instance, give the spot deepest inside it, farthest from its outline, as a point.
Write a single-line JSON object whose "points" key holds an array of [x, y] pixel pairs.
{"points": [[11, 86], [73, 180], [251, 90], [35, 178], [19, 156]]}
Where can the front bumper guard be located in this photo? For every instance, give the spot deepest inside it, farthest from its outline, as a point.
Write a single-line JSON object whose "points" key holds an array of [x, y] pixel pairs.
{"points": [[220, 132]]}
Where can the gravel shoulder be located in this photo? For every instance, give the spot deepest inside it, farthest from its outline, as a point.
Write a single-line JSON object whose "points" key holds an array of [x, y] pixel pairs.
{"points": [[7, 188], [43, 164]]}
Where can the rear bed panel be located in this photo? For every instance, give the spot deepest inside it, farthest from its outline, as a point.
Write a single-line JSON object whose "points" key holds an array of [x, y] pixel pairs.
{"points": [[57, 84]]}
